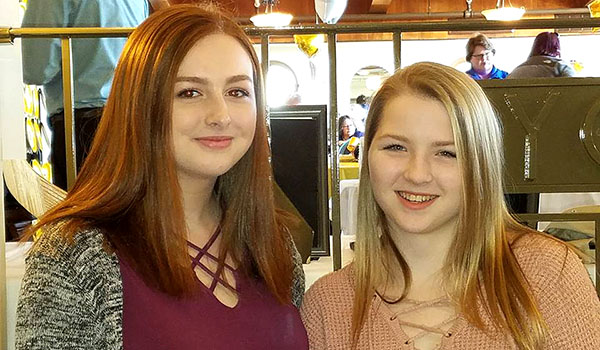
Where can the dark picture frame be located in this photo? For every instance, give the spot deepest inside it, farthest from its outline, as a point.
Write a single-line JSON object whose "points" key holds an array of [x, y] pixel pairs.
{"points": [[298, 138]]}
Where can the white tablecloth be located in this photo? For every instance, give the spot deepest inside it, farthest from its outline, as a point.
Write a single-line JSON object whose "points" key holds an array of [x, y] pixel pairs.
{"points": [[348, 206]]}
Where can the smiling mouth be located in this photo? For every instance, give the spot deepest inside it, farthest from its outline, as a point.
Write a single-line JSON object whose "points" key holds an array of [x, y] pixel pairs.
{"points": [[215, 142], [416, 198]]}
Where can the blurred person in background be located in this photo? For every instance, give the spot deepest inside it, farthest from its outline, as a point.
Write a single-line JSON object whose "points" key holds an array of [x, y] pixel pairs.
{"points": [[94, 61], [347, 129], [544, 60], [349, 136], [480, 53]]}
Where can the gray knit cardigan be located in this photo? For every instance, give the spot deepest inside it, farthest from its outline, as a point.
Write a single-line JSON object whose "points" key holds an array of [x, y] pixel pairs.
{"points": [[72, 295]]}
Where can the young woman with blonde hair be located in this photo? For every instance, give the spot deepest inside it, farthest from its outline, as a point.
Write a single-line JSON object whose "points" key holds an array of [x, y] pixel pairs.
{"points": [[169, 238], [440, 263]]}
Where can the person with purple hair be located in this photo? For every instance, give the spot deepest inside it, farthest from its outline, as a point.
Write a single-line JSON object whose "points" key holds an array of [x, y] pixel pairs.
{"points": [[544, 60]]}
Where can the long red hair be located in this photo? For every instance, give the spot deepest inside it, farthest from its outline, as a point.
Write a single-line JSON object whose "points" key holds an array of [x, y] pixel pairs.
{"points": [[128, 185]]}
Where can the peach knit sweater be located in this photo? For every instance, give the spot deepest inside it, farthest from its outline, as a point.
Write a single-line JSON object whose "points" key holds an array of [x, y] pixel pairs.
{"points": [[561, 285]]}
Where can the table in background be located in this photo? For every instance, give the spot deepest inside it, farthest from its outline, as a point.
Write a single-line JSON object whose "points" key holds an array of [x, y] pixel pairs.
{"points": [[348, 171]]}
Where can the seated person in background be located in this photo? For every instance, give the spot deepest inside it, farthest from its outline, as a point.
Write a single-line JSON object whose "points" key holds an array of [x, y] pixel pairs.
{"points": [[346, 131], [170, 238], [544, 60], [439, 261], [480, 53]]}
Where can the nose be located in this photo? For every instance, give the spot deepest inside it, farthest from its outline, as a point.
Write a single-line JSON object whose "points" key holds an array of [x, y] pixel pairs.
{"points": [[418, 170], [218, 113]]}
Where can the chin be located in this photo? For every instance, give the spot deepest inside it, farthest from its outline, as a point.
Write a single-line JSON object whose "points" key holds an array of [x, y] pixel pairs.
{"points": [[205, 171]]}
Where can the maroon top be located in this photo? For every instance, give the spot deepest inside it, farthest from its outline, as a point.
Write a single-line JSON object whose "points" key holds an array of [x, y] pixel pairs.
{"points": [[153, 320]]}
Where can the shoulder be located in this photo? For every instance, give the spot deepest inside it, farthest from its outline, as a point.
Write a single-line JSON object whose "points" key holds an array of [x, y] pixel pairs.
{"points": [[498, 73], [55, 244], [327, 301], [564, 291], [71, 290], [472, 74], [544, 259], [82, 257], [332, 288], [46, 13], [534, 242], [565, 69], [532, 248], [340, 280], [327, 310]]}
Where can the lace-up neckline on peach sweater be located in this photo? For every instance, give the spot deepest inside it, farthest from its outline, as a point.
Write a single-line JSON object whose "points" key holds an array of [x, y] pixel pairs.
{"points": [[566, 296], [437, 330]]}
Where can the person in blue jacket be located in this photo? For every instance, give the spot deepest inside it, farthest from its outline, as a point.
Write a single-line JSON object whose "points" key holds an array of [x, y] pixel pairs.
{"points": [[94, 61], [480, 53]]}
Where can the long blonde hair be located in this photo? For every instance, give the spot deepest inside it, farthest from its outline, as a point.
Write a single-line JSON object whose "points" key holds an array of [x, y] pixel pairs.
{"points": [[480, 264]]}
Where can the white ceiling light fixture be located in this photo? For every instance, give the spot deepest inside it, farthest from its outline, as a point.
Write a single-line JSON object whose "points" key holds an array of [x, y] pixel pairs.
{"points": [[270, 18], [502, 13], [330, 11]]}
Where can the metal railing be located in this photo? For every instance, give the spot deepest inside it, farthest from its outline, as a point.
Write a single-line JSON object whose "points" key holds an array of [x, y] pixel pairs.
{"points": [[8, 35]]}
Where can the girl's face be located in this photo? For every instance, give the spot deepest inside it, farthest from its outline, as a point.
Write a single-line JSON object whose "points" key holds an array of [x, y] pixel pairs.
{"points": [[413, 167], [214, 108]]}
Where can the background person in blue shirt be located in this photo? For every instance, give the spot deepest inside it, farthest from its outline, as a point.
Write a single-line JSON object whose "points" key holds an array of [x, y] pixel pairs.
{"points": [[94, 61], [480, 53]]}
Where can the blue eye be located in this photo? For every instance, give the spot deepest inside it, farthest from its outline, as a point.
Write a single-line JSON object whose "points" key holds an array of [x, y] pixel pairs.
{"points": [[188, 93], [447, 154], [395, 147]]}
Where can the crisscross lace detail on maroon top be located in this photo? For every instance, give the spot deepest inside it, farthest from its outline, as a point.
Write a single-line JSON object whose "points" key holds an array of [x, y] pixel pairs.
{"points": [[217, 276]]}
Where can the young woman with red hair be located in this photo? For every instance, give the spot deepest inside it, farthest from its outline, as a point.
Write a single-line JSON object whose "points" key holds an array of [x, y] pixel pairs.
{"points": [[169, 238]]}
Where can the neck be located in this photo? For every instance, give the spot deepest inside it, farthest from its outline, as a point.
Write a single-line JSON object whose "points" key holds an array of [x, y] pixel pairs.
{"points": [[421, 251], [425, 255], [201, 209], [485, 74]]}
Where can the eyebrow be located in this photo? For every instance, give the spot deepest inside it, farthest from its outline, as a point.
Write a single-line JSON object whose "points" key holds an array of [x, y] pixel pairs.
{"points": [[204, 81], [404, 139]]}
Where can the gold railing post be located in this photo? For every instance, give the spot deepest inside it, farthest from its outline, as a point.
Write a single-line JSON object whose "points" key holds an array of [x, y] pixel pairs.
{"points": [[264, 58], [5, 37], [264, 65], [68, 98], [336, 249], [397, 40]]}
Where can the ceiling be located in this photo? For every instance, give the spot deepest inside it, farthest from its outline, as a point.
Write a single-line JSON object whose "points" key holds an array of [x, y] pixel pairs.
{"points": [[304, 11]]}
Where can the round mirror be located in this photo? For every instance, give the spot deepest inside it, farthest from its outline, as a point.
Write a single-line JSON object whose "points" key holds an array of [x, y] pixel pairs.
{"points": [[282, 84], [366, 81], [363, 85]]}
